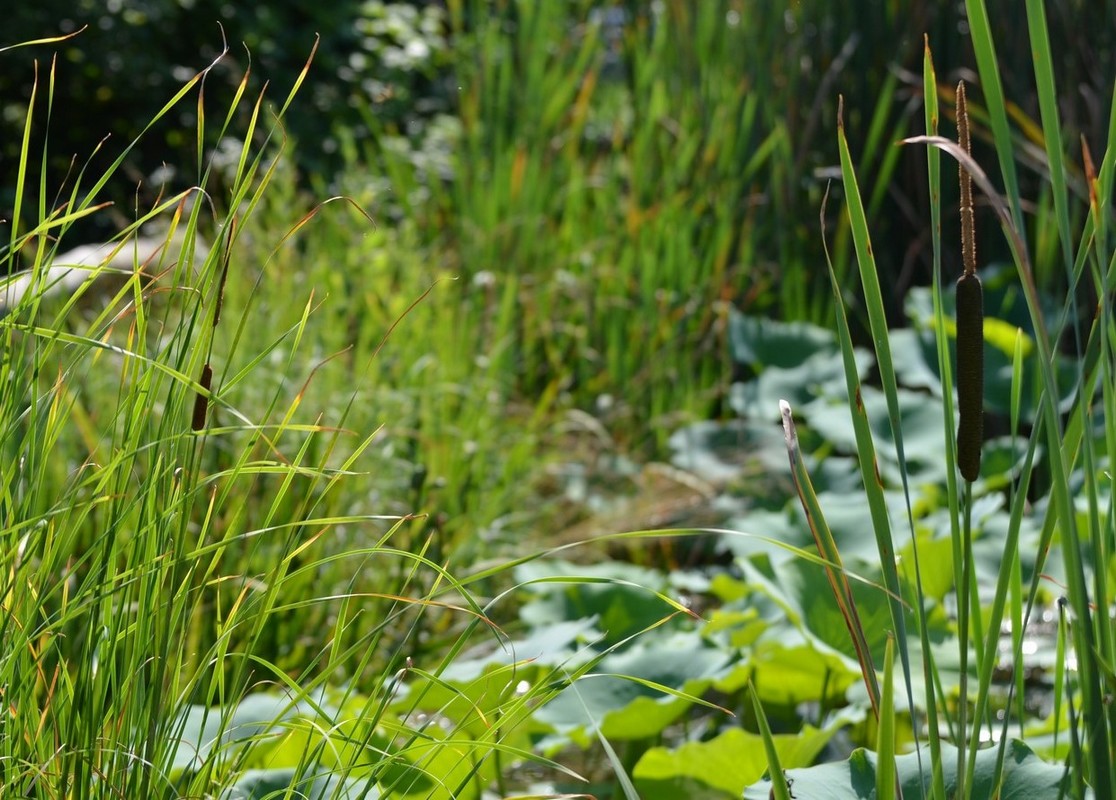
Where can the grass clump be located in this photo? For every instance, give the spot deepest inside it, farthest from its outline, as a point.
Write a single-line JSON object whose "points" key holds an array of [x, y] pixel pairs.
{"points": [[193, 603]]}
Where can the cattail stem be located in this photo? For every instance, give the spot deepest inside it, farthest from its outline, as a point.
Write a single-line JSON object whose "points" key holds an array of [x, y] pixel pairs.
{"points": [[968, 236]]}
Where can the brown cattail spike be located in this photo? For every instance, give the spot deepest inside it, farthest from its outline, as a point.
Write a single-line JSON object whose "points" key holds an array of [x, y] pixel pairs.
{"points": [[970, 321], [970, 375], [201, 402]]}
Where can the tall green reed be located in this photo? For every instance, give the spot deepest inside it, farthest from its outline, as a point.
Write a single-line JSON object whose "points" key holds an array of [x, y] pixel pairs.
{"points": [[650, 183]]}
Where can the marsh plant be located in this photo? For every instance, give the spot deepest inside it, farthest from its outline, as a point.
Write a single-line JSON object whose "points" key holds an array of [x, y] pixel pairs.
{"points": [[1057, 367], [274, 498], [196, 599]]}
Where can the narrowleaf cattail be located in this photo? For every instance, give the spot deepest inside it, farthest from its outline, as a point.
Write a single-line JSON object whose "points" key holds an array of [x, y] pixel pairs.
{"points": [[970, 321], [968, 235], [970, 375]]}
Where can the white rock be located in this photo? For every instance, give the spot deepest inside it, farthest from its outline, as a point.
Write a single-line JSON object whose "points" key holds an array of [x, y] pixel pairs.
{"points": [[70, 270]]}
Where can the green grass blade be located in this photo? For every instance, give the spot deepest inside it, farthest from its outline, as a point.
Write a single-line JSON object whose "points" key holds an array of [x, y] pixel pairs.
{"points": [[24, 160], [934, 177], [882, 347], [885, 733], [1009, 580], [870, 477], [873, 299], [1051, 126], [779, 788], [984, 49]]}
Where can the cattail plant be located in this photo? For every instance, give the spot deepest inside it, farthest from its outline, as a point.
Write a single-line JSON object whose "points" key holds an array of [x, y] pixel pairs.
{"points": [[970, 321]]}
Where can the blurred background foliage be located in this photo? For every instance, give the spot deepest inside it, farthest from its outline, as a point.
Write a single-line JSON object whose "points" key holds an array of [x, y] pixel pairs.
{"points": [[132, 55], [388, 69], [619, 173]]}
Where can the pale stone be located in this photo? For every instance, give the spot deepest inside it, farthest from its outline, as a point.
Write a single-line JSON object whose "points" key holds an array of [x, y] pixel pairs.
{"points": [[69, 271]]}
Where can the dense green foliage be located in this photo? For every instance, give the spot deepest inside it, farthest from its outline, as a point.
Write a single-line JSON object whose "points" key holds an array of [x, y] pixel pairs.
{"points": [[329, 496], [390, 71], [126, 59]]}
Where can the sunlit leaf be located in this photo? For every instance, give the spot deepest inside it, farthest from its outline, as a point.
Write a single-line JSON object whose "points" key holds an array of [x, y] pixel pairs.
{"points": [[627, 709], [1025, 775], [723, 766]]}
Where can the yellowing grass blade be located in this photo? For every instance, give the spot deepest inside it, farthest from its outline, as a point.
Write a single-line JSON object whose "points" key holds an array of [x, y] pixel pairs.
{"points": [[827, 547]]}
